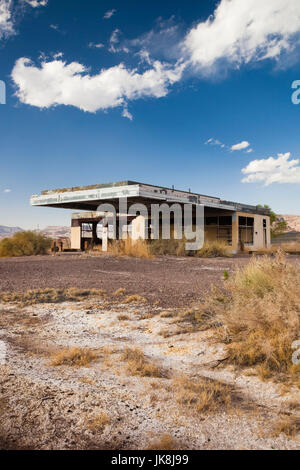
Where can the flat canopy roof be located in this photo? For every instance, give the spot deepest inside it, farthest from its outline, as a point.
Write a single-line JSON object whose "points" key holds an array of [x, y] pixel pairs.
{"points": [[90, 197]]}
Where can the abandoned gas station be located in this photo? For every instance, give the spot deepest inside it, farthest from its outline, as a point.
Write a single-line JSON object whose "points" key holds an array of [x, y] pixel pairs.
{"points": [[241, 226]]}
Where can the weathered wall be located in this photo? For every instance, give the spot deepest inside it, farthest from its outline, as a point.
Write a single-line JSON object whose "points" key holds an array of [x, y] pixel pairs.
{"points": [[75, 238], [258, 241]]}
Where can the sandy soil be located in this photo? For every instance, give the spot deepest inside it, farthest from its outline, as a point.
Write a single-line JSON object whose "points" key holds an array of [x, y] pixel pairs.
{"points": [[48, 407]]}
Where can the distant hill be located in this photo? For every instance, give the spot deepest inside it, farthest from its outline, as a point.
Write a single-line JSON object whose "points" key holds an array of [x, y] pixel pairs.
{"points": [[293, 222], [51, 231], [9, 231], [54, 231]]}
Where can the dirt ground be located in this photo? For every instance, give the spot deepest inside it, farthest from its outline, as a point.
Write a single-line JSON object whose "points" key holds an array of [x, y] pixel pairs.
{"points": [[43, 406], [171, 281]]}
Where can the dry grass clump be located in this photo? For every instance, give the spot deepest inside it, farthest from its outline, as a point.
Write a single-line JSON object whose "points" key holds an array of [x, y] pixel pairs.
{"points": [[129, 247], [123, 317], [289, 425], [24, 244], [215, 249], [138, 364], [168, 247], [168, 314], [147, 315], [99, 422], [134, 299], [119, 292], [203, 395], [260, 313], [76, 357], [86, 380], [292, 247], [38, 296], [164, 442], [199, 316]]}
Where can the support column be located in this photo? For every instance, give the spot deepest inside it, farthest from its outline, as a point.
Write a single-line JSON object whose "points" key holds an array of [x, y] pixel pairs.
{"points": [[104, 239], [75, 235], [235, 233]]}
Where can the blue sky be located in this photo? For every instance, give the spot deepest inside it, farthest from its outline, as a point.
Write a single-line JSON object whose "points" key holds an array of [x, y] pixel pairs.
{"points": [[158, 92]]}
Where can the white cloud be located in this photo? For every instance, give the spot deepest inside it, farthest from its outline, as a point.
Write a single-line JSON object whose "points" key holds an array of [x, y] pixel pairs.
{"points": [[249, 151], [127, 114], [244, 31], [93, 45], [6, 21], [114, 40], [37, 3], [213, 141], [7, 191], [58, 83], [163, 41], [58, 55], [240, 146], [238, 32], [8, 10], [273, 170], [109, 14]]}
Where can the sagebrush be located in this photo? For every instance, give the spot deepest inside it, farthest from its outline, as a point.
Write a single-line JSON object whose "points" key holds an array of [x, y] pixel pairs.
{"points": [[24, 244], [259, 310]]}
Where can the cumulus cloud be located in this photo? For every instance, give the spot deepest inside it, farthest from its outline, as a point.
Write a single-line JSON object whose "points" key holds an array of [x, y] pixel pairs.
{"points": [[8, 14], [237, 33], [273, 170], [109, 14], [6, 21], [244, 31], [240, 146], [7, 191], [59, 83]]}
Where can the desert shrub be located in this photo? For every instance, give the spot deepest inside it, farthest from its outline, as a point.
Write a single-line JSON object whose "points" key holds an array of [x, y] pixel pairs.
{"points": [[172, 247], [39, 296], [129, 247], [200, 316], [289, 425], [24, 244], [215, 249], [138, 364], [76, 357], [260, 312], [134, 299], [203, 395], [168, 247]]}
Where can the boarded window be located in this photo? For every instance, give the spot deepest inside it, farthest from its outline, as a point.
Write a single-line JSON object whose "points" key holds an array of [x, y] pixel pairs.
{"points": [[246, 230]]}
